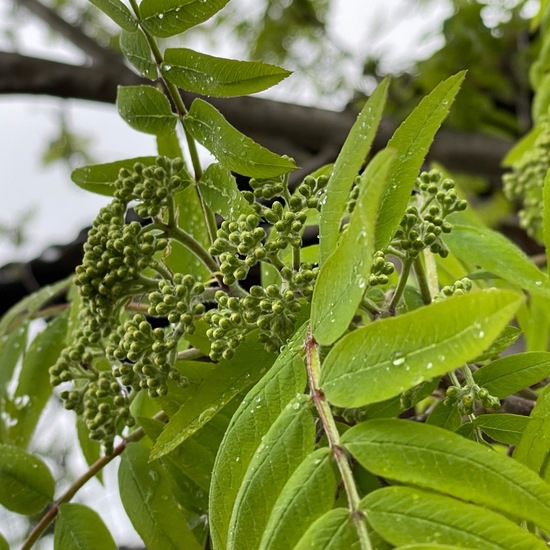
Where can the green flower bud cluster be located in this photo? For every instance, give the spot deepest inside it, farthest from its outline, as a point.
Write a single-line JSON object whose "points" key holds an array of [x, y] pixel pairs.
{"points": [[239, 246], [152, 186], [287, 227], [354, 195], [178, 301], [301, 281], [525, 182], [424, 223], [104, 407], [268, 188], [465, 397], [145, 356], [271, 309], [308, 194], [462, 286], [114, 256], [380, 270]]}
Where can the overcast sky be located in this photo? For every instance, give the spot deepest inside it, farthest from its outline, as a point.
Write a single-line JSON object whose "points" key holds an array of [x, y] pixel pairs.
{"points": [[385, 27]]}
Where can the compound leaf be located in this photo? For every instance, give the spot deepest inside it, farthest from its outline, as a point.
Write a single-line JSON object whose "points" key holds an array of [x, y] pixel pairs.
{"points": [[233, 149], [433, 458], [386, 357], [145, 109], [412, 141], [513, 373], [347, 166], [343, 277], [165, 18], [217, 76], [135, 47], [504, 428], [26, 482], [78, 527], [148, 498], [256, 413], [288, 441], [118, 12], [333, 531], [404, 515]]}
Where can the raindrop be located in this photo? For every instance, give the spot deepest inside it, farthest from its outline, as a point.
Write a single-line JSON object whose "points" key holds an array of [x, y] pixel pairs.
{"points": [[398, 358]]}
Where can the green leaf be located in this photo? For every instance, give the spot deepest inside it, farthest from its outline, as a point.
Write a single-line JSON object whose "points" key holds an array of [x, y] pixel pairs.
{"points": [[233, 149], [90, 449], [412, 141], [145, 109], [256, 413], [532, 449], [24, 309], [513, 373], [220, 192], [225, 382], [504, 428], [506, 338], [27, 484], [494, 252], [403, 515], [12, 346], [118, 12], [343, 277], [445, 416], [350, 160], [432, 547], [34, 388], [100, 178], [546, 214], [386, 357], [217, 76], [165, 18], [135, 47], [147, 496], [333, 531], [289, 440], [308, 494], [525, 144], [433, 458], [78, 527], [4, 543]]}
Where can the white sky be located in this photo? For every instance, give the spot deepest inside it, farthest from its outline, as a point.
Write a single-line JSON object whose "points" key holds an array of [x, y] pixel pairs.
{"points": [[27, 123]]}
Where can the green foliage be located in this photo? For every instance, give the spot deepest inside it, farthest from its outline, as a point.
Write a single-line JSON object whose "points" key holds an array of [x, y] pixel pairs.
{"points": [[263, 416]]}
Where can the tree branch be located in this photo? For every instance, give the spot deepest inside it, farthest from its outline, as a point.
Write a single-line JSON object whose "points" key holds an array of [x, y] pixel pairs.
{"points": [[280, 126], [73, 33]]}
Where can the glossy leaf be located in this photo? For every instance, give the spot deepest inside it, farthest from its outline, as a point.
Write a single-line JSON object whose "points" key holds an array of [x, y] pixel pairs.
{"points": [[217, 76], [165, 18], [118, 12], [386, 357], [26, 482], [256, 413], [21, 311], [225, 382], [147, 496], [135, 47], [4, 543], [532, 449], [445, 416], [404, 515], [546, 214], [436, 459], [78, 527], [34, 389], [220, 192], [506, 338], [412, 141], [288, 441], [504, 428], [333, 531], [145, 109], [12, 346], [233, 149], [513, 373], [100, 178], [343, 277], [350, 160], [308, 494], [494, 252]]}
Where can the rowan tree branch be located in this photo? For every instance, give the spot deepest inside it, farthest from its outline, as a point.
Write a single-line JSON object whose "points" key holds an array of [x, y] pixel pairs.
{"points": [[280, 126], [73, 33]]}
